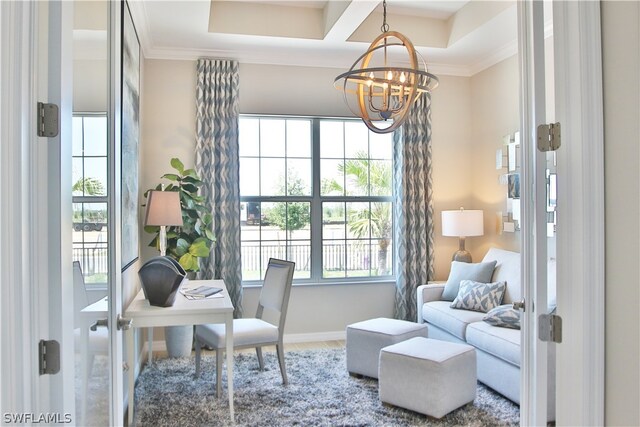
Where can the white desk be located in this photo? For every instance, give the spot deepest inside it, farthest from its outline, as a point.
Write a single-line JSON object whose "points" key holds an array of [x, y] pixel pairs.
{"points": [[183, 312]]}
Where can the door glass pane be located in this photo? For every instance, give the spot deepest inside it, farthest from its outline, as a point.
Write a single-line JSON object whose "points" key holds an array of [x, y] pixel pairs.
{"points": [[89, 222]]}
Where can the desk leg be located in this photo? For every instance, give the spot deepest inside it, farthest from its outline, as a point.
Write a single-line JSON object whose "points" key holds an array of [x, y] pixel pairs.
{"points": [[132, 367], [229, 339]]}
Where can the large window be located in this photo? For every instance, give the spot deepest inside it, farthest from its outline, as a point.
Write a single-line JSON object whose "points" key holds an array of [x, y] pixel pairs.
{"points": [[317, 192], [89, 195]]}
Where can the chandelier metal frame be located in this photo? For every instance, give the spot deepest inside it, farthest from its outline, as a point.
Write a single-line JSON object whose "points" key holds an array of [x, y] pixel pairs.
{"points": [[387, 91]]}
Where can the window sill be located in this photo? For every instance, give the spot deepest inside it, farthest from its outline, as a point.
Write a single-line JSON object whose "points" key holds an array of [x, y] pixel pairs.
{"points": [[385, 281]]}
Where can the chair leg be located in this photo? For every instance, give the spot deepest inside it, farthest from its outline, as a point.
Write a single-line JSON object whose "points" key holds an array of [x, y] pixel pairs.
{"points": [[283, 371], [198, 351], [219, 354], [260, 359]]}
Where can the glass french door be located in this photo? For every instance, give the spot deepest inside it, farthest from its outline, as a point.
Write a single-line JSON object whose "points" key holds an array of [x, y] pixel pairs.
{"points": [[95, 213], [539, 225]]}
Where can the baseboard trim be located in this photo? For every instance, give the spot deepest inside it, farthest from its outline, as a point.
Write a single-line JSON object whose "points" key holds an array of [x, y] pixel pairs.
{"points": [[159, 345], [314, 337]]}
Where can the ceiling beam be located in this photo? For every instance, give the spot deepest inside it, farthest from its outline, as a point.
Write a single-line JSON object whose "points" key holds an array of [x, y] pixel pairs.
{"points": [[472, 16], [342, 18]]}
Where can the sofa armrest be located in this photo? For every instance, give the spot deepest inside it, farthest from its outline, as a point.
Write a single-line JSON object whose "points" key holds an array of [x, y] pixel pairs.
{"points": [[432, 291]]}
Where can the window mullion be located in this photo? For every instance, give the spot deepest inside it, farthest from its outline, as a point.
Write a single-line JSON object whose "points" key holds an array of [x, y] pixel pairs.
{"points": [[316, 205]]}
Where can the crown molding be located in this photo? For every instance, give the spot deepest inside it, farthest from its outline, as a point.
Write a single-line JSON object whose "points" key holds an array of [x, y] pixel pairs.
{"points": [[507, 51], [282, 59], [141, 23]]}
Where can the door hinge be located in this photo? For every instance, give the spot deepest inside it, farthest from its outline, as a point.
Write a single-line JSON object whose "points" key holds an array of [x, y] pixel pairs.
{"points": [[549, 137], [49, 357], [550, 328], [48, 120]]}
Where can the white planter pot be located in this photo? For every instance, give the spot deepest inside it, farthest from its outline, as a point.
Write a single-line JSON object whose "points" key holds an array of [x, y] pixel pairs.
{"points": [[179, 340]]}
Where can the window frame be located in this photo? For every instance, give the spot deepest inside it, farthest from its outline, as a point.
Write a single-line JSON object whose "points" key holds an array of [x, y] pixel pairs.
{"points": [[84, 199], [316, 200]]}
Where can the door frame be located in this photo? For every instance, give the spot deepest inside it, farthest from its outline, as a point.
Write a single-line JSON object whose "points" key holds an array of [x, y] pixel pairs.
{"points": [[580, 363], [18, 357], [580, 377]]}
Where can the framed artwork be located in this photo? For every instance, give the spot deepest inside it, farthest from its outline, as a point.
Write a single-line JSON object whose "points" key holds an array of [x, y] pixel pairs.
{"points": [[130, 136]]}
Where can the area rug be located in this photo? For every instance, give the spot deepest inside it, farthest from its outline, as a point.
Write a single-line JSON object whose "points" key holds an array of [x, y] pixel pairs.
{"points": [[320, 393]]}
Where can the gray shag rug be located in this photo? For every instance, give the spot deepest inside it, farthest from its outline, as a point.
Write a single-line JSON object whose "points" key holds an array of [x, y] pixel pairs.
{"points": [[320, 393]]}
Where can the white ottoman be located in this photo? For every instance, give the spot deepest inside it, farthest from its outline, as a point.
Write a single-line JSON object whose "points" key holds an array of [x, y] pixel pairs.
{"points": [[428, 376], [365, 339]]}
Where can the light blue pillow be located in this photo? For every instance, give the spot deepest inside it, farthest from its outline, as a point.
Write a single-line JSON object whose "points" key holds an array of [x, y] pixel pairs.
{"points": [[480, 272], [504, 316], [479, 296]]}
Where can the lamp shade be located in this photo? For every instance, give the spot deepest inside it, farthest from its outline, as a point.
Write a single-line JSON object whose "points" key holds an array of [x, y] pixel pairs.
{"points": [[163, 208], [462, 223]]}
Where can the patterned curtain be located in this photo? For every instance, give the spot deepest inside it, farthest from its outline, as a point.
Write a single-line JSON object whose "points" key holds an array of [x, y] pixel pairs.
{"points": [[218, 163], [414, 207]]}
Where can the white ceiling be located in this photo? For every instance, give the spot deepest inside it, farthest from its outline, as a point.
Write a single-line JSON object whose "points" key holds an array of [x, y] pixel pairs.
{"points": [[454, 37]]}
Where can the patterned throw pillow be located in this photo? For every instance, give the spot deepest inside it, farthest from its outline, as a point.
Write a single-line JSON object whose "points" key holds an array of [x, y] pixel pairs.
{"points": [[480, 272], [479, 296], [504, 316]]}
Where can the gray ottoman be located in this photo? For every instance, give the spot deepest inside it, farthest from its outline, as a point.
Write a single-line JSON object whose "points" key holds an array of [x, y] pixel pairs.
{"points": [[365, 339], [428, 376]]}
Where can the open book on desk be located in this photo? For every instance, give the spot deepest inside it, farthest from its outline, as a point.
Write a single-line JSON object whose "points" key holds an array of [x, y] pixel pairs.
{"points": [[201, 292]]}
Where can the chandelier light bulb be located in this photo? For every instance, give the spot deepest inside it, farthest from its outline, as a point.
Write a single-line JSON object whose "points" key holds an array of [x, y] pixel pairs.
{"points": [[402, 77]]}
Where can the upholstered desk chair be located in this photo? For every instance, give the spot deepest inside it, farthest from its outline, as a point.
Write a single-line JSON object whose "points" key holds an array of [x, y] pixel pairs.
{"points": [[254, 332]]}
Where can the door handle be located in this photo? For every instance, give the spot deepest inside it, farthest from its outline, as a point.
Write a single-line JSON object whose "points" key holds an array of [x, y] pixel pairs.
{"points": [[124, 323], [519, 305], [99, 322]]}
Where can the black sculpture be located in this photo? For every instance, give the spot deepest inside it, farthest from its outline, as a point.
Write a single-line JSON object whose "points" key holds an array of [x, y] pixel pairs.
{"points": [[161, 278]]}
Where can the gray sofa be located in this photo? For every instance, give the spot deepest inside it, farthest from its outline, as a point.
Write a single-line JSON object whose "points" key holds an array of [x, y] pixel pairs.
{"points": [[497, 348]]}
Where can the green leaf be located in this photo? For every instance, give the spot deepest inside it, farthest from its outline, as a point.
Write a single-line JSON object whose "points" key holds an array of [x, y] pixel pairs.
{"points": [[192, 173], [171, 176], [177, 165], [190, 188], [199, 248], [182, 247], [151, 228], [189, 262], [207, 219], [192, 180], [210, 235]]}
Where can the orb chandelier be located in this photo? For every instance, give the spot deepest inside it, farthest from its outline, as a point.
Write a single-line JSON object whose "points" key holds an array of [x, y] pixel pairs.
{"points": [[383, 91]]}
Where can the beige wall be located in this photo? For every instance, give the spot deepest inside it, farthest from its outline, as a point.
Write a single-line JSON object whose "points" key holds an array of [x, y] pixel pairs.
{"points": [[452, 162], [168, 130], [621, 70], [495, 113]]}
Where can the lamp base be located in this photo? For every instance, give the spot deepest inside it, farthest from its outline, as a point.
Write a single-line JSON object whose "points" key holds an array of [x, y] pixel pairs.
{"points": [[461, 256]]}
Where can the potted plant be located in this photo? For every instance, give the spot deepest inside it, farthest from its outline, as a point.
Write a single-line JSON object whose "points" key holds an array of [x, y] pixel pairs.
{"points": [[192, 241], [187, 244]]}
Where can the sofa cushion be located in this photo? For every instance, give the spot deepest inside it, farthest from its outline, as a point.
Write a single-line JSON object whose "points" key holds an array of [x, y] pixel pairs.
{"points": [[480, 272], [504, 316], [438, 313], [507, 270], [500, 342], [479, 296]]}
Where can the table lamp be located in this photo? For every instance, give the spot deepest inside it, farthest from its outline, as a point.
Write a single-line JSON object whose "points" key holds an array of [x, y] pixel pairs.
{"points": [[163, 209], [462, 224]]}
